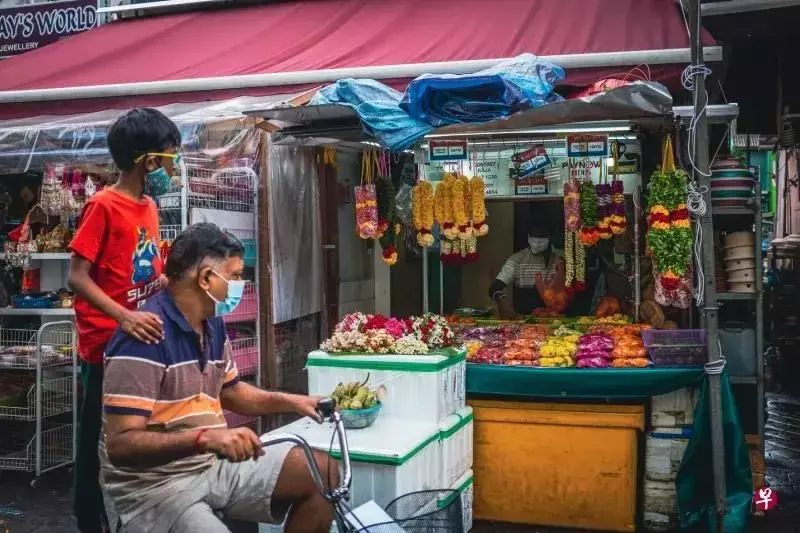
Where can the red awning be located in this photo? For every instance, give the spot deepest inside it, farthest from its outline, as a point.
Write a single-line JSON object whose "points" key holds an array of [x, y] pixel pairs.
{"points": [[332, 34]]}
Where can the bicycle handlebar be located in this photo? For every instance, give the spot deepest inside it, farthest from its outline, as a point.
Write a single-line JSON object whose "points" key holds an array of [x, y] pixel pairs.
{"points": [[327, 410]]}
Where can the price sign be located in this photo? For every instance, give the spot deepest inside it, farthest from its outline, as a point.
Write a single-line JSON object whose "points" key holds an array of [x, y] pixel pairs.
{"points": [[448, 150], [587, 145], [495, 176], [531, 161]]}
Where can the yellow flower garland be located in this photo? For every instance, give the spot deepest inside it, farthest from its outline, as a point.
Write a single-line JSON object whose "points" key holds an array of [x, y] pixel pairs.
{"points": [[422, 210], [462, 208], [478, 189]]}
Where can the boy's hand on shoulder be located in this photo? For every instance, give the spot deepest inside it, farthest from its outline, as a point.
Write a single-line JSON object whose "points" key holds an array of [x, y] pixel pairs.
{"points": [[142, 326]]}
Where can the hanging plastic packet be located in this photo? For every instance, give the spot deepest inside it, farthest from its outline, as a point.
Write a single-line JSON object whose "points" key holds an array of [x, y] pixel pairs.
{"points": [[366, 199]]}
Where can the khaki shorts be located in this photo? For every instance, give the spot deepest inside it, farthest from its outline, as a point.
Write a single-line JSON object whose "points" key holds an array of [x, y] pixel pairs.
{"points": [[242, 491]]}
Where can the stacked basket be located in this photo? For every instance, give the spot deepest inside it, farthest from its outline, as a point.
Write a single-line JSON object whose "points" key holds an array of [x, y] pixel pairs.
{"points": [[739, 253], [731, 184]]}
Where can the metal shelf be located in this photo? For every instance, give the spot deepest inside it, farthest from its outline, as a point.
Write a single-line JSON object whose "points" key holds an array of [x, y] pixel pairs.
{"points": [[56, 398], [736, 296], [46, 256], [55, 311], [56, 448], [18, 348]]}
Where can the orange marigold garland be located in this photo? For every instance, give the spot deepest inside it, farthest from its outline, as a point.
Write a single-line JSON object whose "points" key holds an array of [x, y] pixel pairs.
{"points": [[462, 208], [422, 212], [478, 189]]}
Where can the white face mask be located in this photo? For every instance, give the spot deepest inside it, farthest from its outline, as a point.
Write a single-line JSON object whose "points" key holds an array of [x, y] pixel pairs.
{"points": [[538, 244]]}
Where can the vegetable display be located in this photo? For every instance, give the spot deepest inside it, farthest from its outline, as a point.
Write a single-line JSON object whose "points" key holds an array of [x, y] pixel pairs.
{"points": [[355, 396]]}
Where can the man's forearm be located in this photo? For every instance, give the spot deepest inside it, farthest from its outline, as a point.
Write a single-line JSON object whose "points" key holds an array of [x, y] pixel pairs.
{"points": [[245, 399], [139, 448]]}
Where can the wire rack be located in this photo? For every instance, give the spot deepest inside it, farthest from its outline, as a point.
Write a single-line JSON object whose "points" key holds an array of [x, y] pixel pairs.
{"points": [[245, 354], [247, 310], [226, 189], [248, 240], [293, 341], [56, 399], [18, 348], [18, 449]]}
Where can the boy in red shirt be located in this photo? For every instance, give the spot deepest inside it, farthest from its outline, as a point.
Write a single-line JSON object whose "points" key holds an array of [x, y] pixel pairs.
{"points": [[115, 267]]}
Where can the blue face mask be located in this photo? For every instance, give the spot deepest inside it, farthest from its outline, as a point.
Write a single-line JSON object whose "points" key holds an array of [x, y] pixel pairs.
{"points": [[157, 182], [232, 299]]}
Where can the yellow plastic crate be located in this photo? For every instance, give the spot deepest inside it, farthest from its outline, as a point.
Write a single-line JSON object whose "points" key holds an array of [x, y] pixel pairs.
{"points": [[566, 465]]}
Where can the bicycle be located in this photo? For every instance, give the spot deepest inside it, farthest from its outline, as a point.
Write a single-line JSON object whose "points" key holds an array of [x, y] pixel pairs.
{"points": [[416, 512]]}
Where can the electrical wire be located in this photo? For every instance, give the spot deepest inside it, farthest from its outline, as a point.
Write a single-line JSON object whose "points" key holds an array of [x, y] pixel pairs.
{"points": [[696, 205], [687, 80]]}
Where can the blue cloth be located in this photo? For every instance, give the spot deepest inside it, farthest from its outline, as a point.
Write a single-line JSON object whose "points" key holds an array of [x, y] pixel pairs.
{"points": [[508, 87], [378, 107]]}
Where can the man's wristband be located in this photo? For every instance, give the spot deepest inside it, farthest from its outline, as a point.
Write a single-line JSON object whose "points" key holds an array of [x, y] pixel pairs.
{"points": [[197, 447]]}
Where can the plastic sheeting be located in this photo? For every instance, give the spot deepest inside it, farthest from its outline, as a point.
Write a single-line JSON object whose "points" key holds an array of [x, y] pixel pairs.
{"points": [[378, 107], [295, 235], [514, 85], [33, 143]]}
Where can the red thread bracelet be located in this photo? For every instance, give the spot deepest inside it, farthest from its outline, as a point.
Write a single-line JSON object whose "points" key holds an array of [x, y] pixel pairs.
{"points": [[197, 447]]}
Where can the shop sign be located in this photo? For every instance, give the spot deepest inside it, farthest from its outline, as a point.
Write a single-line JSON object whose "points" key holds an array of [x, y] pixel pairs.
{"points": [[532, 185], [495, 176], [587, 145], [30, 27], [531, 161], [448, 150]]}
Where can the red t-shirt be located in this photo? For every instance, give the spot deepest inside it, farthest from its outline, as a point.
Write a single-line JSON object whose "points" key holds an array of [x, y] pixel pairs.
{"points": [[119, 235]]}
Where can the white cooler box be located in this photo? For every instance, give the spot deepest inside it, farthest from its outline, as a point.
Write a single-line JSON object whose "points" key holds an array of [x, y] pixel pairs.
{"points": [[455, 440], [435, 382], [674, 409]]}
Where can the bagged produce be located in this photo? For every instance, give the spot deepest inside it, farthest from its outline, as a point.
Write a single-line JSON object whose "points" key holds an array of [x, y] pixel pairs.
{"points": [[593, 362]]}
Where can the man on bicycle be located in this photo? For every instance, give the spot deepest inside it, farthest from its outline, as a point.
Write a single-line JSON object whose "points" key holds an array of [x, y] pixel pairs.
{"points": [[168, 459]]}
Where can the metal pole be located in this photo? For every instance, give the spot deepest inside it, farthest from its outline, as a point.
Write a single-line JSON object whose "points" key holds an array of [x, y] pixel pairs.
{"points": [[701, 160]]}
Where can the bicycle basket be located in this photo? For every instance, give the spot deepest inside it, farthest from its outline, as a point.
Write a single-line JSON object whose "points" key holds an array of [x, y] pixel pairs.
{"points": [[360, 418], [429, 511]]}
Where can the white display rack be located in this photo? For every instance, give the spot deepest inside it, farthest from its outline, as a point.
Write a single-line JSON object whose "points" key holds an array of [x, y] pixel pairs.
{"points": [[54, 448], [53, 311], [18, 348], [38, 437]]}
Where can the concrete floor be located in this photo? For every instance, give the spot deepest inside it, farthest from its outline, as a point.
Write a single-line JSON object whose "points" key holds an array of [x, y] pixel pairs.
{"points": [[46, 509]]}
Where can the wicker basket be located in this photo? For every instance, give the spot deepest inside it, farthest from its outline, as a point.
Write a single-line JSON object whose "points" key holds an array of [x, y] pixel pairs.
{"points": [[360, 418]]}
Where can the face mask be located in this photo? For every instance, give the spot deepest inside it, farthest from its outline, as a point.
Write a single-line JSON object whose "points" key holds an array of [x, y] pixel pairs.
{"points": [[538, 244], [157, 182], [232, 299]]}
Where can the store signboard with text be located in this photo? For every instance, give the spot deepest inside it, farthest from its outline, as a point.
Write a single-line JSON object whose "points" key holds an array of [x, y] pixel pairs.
{"points": [[587, 145], [448, 150], [31, 27]]}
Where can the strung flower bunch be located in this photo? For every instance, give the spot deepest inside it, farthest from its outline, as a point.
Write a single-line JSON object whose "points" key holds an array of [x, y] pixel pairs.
{"points": [[569, 260], [462, 208], [351, 322], [603, 191], [618, 221], [443, 207], [572, 205], [478, 190], [410, 345], [669, 235], [433, 330], [580, 266], [588, 235], [572, 246], [422, 212]]}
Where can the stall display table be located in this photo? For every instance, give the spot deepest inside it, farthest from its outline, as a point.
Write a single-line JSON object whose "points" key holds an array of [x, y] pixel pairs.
{"points": [[529, 387]]}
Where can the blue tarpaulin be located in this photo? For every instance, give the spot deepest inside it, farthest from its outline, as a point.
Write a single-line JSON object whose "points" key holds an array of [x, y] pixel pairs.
{"points": [[378, 107], [508, 87]]}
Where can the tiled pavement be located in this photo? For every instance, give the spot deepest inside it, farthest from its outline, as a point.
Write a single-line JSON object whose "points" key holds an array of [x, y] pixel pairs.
{"points": [[46, 509]]}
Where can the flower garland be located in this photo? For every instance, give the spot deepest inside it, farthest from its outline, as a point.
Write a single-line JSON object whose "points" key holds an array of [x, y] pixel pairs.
{"points": [[588, 235], [617, 210], [462, 208], [366, 200], [422, 211], [569, 259], [618, 221], [572, 224], [580, 266], [603, 191], [669, 235], [478, 189]]}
